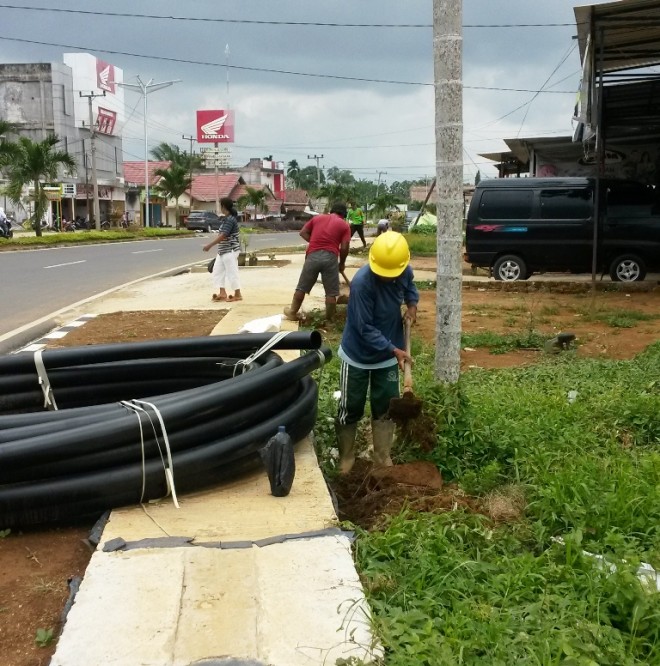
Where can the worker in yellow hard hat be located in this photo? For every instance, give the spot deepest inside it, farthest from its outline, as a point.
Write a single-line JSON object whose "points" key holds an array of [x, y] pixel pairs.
{"points": [[372, 347]]}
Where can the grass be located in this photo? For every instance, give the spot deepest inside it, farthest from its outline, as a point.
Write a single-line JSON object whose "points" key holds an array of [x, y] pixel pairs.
{"points": [[455, 588], [500, 343], [618, 318], [421, 245]]}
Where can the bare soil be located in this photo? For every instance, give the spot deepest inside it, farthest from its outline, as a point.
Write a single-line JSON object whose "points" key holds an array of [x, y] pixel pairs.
{"points": [[35, 566]]}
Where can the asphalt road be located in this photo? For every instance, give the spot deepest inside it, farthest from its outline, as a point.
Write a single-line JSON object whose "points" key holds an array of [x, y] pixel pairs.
{"points": [[37, 283]]}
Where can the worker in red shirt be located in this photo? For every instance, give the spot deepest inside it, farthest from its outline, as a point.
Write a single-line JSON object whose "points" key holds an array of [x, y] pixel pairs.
{"points": [[328, 237]]}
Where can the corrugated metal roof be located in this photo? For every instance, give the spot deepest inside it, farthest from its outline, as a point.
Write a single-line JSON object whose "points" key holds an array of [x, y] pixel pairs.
{"points": [[204, 186], [134, 172], [630, 33]]}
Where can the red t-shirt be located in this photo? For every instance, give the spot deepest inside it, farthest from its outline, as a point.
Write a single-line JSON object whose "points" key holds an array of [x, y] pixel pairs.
{"points": [[328, 232]]}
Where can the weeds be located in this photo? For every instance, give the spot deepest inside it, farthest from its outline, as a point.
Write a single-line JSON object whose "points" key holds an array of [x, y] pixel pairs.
{"points": [[44, 637], [500, 343], [618, 318]]}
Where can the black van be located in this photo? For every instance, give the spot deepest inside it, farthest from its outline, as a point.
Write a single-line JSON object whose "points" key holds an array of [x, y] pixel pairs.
{"points": [[516, 226]]}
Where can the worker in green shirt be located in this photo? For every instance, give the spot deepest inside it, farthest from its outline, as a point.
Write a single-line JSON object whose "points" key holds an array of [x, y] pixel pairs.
{"points": [[355, 218]]}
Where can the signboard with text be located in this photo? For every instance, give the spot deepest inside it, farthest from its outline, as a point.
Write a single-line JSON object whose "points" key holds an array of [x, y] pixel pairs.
{"points": [[215, 126]]}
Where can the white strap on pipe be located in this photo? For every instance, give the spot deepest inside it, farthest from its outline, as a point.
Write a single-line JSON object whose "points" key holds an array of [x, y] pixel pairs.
{"points": [[44, 382], [169, 468], [260, 352], [134, 409], [167, 465]]}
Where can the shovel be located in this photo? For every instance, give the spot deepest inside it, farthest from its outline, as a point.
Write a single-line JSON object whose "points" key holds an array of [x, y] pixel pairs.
{"points": [[408, 406]]}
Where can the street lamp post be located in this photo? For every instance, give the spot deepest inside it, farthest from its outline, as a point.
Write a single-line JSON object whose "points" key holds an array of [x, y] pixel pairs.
{"points": [[145, 89]]}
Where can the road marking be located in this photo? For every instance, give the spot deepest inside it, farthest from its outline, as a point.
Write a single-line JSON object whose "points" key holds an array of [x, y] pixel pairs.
{"points": [[146, 251], [70, 263]]}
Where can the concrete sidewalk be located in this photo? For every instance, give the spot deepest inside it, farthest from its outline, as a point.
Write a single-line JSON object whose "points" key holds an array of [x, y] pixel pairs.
{"points": [[248, 575]]}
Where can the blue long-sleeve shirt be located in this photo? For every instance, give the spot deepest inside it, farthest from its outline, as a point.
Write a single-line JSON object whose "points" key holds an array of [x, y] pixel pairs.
{"points": [[373, 322]]}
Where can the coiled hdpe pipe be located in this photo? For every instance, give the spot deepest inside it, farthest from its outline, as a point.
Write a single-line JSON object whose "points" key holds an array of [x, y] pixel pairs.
{"points": [[100, 450]]}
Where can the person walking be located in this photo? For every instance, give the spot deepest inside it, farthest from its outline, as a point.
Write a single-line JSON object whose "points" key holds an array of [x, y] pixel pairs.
{"points": [[356, 220], [224, 275], [372, 348], [328, 237]]}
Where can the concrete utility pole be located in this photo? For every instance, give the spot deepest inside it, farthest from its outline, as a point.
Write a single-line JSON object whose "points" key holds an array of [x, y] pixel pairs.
{"points": [[96, 216], [447, 55], [318, 170], [380, 173], [145, 89], [191, 139]]}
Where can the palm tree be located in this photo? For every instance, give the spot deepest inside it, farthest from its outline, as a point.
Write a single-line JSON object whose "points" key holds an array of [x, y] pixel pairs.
{"points": [[170, 152], [32, 162], [7, 148], [335, 192], [293, 172], [255, 198], [173, 182], [383, 204]]}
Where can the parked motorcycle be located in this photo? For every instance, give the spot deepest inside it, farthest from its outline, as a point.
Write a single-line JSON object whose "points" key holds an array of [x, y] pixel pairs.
{"points": [[5, 229]]}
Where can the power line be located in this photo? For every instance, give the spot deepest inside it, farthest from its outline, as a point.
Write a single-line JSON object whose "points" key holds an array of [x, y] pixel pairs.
{"points": [[269, 70], [322, 24]]}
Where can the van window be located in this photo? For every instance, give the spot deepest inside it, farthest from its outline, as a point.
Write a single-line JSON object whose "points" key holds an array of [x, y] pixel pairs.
{"points": [[506, 205], [572, 204]]}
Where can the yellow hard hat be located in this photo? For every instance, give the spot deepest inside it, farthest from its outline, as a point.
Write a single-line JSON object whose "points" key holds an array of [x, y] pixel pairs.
{"points": [[389, 255]]}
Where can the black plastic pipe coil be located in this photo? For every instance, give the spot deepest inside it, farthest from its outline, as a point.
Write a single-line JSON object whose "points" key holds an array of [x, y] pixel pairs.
{"points": [[95, 452]]}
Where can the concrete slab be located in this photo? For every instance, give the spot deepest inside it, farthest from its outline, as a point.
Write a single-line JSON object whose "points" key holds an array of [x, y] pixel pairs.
{"points": [[242, 510], [281, 604]]}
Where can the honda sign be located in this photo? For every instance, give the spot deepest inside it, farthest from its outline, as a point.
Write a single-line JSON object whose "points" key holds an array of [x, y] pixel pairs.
{"points": [[215, 126]]}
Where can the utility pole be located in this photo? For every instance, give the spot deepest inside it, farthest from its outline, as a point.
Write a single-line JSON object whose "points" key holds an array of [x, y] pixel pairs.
{"points": [[318, 170], [96, 216], [380, 173], [190, 164], [145, 89], [86, 181], [447, 56]]}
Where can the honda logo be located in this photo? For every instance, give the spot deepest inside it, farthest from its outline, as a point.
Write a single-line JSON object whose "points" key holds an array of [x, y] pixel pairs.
{"points": [[215, 126]]}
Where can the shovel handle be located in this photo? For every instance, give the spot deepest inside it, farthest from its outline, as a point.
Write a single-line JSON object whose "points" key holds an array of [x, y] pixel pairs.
{"points": [[407, 367], [343, 274]]}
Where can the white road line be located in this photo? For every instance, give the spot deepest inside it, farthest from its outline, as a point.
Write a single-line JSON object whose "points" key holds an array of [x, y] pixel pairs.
{"points": [[146, 251], [70, 263]]}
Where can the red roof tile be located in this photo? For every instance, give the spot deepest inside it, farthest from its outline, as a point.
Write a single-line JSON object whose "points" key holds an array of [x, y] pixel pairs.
{"points": [[296, 197], [205, 185], [134, 172]]}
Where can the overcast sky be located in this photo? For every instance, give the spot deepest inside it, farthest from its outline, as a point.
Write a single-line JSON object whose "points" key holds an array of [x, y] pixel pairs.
{"points": [[358, 125]]}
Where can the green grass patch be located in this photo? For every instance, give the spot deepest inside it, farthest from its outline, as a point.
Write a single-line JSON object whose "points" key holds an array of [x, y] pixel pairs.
{"points": [[619, 318], [449, 589], [454, 588], [422, 245], [500, 343]]}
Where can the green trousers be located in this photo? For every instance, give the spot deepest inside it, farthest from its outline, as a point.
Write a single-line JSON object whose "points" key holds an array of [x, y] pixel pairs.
{"points": [[382, 385]]}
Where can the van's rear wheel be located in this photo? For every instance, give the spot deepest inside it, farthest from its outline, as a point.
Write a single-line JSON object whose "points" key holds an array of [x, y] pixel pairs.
{"points": [[627, 268], [510, 268]]}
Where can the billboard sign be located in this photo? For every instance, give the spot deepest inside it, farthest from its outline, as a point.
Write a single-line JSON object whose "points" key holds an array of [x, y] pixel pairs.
{"points": [[105, 121], [215, 126], [105, 76]]}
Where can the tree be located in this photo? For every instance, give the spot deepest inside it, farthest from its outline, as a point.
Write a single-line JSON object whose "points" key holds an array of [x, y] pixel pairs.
{"points": [[170, 152], [32, 162], [173, 182], [340, 177], [7, 148], [293, 172], [383, 204], [254, 198], [334, 192], [447, 56], [307, 178]]}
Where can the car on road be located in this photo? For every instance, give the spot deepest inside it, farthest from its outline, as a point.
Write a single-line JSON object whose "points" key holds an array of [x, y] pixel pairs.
{"points": [[202, 220]]}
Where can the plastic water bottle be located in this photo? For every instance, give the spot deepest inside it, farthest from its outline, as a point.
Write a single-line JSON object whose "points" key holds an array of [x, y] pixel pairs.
{"points": [[280, 462]]}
